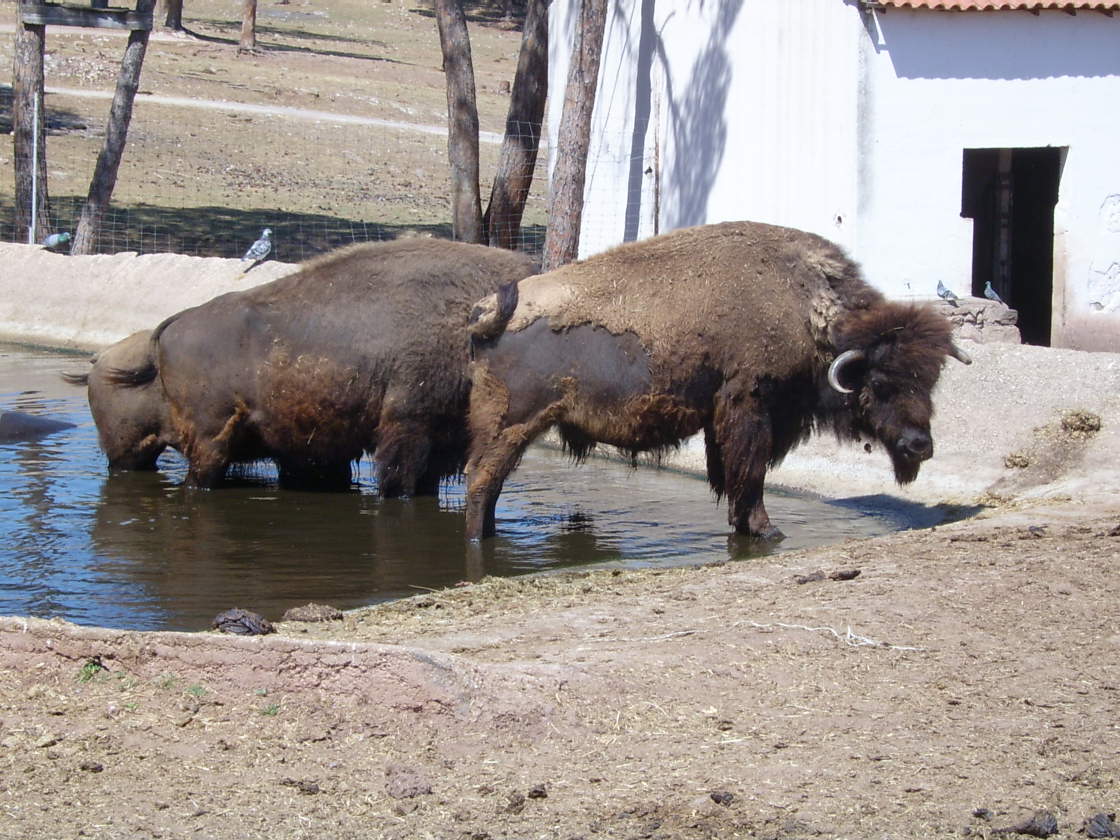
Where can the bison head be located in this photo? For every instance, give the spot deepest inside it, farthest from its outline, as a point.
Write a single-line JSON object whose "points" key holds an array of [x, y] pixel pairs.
{"points": [[890, 359]]}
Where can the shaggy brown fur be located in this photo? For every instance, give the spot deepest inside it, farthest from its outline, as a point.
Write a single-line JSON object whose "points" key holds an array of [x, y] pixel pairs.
{"points": [[133, 424], [727, 328], [364, 350]]}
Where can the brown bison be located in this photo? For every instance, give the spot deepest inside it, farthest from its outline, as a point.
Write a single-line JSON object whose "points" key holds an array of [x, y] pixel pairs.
{"points": [[755, 334], [363, 350], [133, 425]]}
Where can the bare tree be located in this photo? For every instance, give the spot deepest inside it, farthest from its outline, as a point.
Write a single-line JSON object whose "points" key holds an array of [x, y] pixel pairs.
{"points": [[565, 204], [248, 25], [462, 113], [169, 15], [109, 160], [518, 156], [28, 113]]}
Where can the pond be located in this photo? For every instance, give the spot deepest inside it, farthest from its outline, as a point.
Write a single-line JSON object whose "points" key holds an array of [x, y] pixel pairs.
{"points": [[140, 551]]}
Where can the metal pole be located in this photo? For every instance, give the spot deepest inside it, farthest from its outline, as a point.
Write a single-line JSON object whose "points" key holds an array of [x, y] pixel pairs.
{"points": [[34, 169]]}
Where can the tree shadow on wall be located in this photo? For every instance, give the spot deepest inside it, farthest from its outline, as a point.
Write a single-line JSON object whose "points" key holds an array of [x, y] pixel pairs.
{"points": [[698, 124]]}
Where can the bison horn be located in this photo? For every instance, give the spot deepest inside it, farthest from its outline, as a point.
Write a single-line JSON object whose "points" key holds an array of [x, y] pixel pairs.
{"points": [[838, 364], [958, 354]]}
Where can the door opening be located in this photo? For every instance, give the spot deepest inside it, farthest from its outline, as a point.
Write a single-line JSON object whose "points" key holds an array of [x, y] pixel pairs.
{"points": [[1010, 195]]}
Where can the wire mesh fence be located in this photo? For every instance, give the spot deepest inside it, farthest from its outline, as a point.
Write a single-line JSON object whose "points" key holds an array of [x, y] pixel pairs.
{"points": [[205, 178]]}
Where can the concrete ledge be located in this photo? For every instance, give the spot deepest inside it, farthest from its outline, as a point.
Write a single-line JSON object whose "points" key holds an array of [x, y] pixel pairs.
{"points": [[87, 303]]}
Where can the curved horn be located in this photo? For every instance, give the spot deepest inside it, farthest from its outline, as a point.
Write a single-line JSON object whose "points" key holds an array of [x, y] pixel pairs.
{"points": [[838, 363], [958, 354]]}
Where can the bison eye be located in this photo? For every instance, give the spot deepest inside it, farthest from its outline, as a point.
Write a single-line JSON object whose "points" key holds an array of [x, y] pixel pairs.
{"points": [[882, 388]]}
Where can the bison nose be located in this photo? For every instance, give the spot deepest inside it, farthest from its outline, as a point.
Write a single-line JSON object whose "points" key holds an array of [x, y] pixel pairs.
{"points": [[918, 445]]}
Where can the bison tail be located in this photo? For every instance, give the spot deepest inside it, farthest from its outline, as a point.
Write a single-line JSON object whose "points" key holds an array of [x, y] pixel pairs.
{"points": [[75, 378], [491, 314], [148, 370], [132, 377]]}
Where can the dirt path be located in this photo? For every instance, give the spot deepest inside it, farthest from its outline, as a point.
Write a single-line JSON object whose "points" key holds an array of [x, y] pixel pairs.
{"points": [[272, 110]]}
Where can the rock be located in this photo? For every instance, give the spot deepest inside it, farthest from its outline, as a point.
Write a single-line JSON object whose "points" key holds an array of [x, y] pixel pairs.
{"points": [[16, 426], [242, 623], [812, 577], [1101, 825], [308, 787], [981, 320], [722, 797], [313, 612], [1039, 824]]}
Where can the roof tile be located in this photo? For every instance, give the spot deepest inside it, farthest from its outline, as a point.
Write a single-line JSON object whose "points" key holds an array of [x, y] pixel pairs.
{"points": [[999, 5]]}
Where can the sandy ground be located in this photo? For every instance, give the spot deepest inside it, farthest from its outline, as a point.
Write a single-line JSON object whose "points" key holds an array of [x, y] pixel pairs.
{"points": [[965, 679]]}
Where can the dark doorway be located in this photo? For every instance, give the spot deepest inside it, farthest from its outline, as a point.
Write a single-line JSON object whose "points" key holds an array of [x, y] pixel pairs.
{"points": [[1010, 195]]}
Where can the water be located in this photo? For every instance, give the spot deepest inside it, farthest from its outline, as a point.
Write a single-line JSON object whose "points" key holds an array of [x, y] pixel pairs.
{"points": [[139, 551]]}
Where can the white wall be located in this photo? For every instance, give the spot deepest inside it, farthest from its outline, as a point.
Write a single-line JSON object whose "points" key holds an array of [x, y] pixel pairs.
{"points": [[810, 114], [710, 111], [944, 82]]}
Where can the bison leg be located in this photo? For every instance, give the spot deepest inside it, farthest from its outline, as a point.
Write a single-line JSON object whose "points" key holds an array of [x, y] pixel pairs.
{"points": [[486, 473], [739, 443], [209, 455], [401, 457]]}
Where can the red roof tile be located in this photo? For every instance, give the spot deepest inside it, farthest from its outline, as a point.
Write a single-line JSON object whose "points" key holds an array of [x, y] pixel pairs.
{"points": [[998, 5]]}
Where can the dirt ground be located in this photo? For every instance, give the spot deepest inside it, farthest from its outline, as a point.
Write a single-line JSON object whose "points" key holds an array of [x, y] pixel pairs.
{"points": [[201, 179], [964, 680]]}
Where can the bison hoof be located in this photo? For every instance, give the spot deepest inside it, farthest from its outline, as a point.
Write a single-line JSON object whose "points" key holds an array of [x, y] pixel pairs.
{"points": [[769, 534]]}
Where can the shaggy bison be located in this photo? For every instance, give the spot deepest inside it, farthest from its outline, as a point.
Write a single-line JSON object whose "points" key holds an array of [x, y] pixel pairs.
{"points": [[363, 350], [755, 334], [133, 425]]}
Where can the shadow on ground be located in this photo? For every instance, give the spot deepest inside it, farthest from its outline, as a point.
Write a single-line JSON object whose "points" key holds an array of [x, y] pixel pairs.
{"points": [[214, 231]]}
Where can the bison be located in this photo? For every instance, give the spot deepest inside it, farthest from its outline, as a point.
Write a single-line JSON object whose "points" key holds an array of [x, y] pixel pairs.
{"points": [[133, 424], [362, 350], [758, 335]]}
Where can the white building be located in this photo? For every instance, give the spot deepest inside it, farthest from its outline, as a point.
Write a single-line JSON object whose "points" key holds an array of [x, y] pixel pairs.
{"points": [[967, 141]]}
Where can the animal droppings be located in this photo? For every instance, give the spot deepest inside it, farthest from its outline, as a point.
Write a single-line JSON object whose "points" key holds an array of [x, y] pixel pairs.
{"points": [[242, 623]]}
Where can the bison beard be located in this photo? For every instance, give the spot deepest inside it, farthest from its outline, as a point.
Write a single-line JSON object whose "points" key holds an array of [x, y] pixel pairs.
{"points": [[741, 330]]}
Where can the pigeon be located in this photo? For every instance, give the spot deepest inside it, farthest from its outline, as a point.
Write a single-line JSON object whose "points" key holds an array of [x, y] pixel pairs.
{"points": [[56, 239], [259, 249], [945, 293], [990, 293]]}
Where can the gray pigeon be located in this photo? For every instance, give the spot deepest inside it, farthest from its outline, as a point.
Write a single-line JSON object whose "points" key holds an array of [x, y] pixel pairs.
{"points": [[56, 239], [945, 293], [990, 293], [259, 249]]}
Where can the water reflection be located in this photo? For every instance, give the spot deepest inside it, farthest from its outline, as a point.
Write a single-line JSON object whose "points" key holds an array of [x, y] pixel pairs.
{"points": [[138, 550]]}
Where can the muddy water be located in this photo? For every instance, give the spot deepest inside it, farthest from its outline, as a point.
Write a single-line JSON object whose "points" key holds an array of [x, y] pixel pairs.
{"points": [[140, 551]]}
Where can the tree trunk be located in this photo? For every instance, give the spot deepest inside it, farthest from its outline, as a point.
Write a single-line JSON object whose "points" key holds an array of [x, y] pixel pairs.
{"points": [[462, 120], [169, 15], [248, 25], [27, 112], [518, 157], [565, 205], [104, 179]]}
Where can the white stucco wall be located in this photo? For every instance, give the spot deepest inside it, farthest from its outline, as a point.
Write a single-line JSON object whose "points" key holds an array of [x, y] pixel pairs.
{"points": [[940, 83], [811, 114], [708, 112]]}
